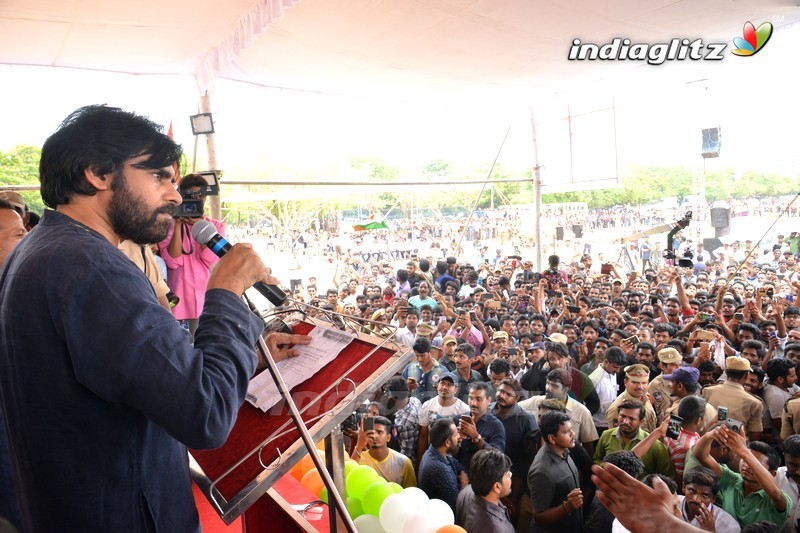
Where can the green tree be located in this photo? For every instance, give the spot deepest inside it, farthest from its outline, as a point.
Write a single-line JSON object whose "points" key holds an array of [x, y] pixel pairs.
{"points": [[20, 166]]}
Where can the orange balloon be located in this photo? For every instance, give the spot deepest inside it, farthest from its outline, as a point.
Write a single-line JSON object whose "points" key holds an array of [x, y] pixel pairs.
{"points": [[313, 482], [452, 528], [297, 471], [306, 463]]}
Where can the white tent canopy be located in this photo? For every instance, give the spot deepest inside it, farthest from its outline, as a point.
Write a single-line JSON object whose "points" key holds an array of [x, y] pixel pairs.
{"points": [[473, 48]]}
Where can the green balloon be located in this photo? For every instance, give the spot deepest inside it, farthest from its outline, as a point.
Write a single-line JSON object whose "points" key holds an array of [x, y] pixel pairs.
{"points": [[374, 496], [359, 479], [396, 487], [348, 467], [354, 508], [324, 494]]}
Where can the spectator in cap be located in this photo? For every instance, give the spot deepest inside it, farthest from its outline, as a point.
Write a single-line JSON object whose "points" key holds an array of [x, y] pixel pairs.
{"points": [[423, 374], [686, 382], [447, 360], [444, 405], [406, 411], [636, 378], [660, 391], [741, 405]]}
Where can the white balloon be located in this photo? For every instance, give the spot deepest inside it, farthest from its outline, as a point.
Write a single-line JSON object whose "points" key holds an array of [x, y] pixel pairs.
{"points": [[416, 495], [367, 523], [439, 513], [419, 522], [394, 511]]}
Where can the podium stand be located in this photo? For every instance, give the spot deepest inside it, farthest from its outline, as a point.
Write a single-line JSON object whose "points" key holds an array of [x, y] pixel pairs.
{"points": [[262, 447]]}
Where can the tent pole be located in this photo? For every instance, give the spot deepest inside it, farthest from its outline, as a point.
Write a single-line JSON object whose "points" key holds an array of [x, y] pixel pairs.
{"points": [[214, 203]]}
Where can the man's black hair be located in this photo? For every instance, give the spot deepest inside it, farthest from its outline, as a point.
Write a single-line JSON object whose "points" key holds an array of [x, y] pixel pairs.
{"points": [[773, 459], [440, 431], [101, 139], [487, 467], [627, 461], [702, 476], [550, 422]]}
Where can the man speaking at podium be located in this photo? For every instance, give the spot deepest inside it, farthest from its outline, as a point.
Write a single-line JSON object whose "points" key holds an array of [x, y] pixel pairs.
{"points": [[101, 389]]}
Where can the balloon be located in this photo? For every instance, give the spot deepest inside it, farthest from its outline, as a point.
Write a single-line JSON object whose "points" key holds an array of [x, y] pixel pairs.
{"points": [[418, 522], [324, 494], [439, 512], [349, 465], [394, 511], [359, 479], [321, 445], [354, 508], [306, 463], [297, 471], [416, 495], [374, 495], [397, 487], [368, 524], [313, 482], [452, 528]]}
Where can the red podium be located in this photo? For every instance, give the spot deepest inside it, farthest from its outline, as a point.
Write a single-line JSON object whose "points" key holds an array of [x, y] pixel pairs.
{"points": [[262, 447]]}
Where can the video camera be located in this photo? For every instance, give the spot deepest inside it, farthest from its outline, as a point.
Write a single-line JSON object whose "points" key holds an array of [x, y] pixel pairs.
{"points": [[191, 205]]}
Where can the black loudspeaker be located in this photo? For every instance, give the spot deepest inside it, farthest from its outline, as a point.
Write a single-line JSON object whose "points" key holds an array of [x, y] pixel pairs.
{"points": [[559, 233], [709, 245], [720, 217], [712, 142], [577, 229]]}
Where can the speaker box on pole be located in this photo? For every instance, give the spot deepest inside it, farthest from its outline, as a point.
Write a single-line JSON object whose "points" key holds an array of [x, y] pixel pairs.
{"points": [[577, 230], [720, 217], [712, 142], [559, 233]]}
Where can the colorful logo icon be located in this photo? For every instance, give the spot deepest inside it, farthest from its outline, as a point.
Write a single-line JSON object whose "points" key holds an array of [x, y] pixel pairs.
{"points": [[754, 39]]}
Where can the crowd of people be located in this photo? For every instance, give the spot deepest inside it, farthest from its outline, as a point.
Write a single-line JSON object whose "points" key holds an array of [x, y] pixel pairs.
{"points": [[590, 396], [681, 374]]}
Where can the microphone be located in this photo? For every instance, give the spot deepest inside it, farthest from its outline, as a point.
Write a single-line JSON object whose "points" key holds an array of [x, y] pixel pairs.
{"points": [[205, 233]]}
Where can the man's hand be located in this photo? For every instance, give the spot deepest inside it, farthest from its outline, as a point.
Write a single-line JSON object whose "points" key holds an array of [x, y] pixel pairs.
{"points": [[412, 384], [281, 345], [467, 429], [735, 441], [239, 270], [463, 479], [705, 517], [575, 499]]}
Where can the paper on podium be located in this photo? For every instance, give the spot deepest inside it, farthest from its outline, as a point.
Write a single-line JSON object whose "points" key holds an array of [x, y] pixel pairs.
{"points": [[325, 345]]}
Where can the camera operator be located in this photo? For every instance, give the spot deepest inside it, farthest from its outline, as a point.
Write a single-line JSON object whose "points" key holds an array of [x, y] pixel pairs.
{"points": [[188, 262]]}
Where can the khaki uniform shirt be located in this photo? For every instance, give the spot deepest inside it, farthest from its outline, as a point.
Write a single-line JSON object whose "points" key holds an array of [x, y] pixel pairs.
{"points": [[709, 418], [650, 422], [660, 391], [741, 405], [790, 420]]}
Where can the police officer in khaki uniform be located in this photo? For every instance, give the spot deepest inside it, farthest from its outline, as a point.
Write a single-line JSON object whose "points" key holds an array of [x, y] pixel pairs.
{"points": [[636, 379], [660, 390], [741, 405], [790, 419]]}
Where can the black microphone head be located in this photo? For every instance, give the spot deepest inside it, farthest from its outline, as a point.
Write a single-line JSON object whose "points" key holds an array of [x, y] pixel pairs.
{"points": [[203, 231]]}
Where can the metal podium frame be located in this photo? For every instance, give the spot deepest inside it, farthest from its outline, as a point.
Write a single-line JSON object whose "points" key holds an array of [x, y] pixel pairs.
{"points": [[325, 425]]}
